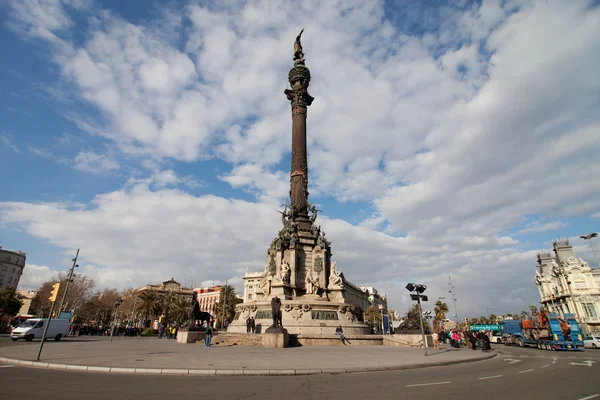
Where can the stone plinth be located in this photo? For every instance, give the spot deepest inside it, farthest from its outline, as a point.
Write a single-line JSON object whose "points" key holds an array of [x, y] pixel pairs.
{"points": [[190, 336], [276, 338]]}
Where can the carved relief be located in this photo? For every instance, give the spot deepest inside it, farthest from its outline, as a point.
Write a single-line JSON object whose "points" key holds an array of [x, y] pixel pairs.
{"points": [[347, 311], [318, 264], [297, 310]]}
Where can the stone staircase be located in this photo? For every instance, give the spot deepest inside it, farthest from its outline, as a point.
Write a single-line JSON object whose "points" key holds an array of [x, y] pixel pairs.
{"points": [[237, 339]]}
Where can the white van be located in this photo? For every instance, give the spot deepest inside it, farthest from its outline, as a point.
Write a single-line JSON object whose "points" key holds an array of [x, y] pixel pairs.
{"points": [[33, 328]]}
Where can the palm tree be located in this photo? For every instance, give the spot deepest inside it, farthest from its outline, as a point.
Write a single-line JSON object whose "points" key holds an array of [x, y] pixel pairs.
{"points": [[165, 303], [524, 314], [440, 310], [180, 309], [147, 305], [533, 310], [227, 299]]}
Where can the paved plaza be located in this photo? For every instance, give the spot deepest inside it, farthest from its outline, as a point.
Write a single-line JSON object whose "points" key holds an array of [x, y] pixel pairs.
{"points": [[151, 355]]}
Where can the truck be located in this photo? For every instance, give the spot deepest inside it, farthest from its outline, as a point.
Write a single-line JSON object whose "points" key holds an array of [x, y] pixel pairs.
{"points": [[547, 332]]}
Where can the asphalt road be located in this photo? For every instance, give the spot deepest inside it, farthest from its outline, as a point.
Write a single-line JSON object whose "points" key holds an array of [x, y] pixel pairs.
{"points": [[515, 374]]}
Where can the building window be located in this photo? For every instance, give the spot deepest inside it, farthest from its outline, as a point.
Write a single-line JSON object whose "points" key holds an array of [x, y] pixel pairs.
{"points": [[590, 310], [249, 296], [250, 287]]}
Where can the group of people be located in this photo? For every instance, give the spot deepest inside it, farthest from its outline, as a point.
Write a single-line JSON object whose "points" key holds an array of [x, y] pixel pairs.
{"points": [[470, 339], [99, 330], [250, 325], [170, 331]]}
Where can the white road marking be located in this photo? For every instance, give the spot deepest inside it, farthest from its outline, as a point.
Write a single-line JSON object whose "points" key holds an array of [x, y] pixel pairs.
{"points": [[490, 377], [512, 360], [527, 370], [587, 363], [590, 397], [6, 366], [429, 384], [554, 362]]}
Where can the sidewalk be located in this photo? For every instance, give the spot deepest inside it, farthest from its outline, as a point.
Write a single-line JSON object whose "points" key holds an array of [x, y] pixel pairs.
{"points": [[164, 356]]}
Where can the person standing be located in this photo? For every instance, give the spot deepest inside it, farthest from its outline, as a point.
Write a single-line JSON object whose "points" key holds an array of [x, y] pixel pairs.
{"points": [[252, 325], [208, 334], [248, 324], [436, 342]]}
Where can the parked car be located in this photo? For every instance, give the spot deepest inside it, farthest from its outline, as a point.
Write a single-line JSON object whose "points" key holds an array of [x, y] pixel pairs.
{"points": [[591, 342], [33, 329], [496, 337]]}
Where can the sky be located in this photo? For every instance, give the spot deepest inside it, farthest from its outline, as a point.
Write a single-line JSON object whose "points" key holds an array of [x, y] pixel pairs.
{"points": [[446, 139]]}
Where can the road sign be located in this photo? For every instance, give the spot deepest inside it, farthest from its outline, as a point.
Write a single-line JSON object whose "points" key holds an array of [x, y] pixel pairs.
{"points": [[484, 327]]}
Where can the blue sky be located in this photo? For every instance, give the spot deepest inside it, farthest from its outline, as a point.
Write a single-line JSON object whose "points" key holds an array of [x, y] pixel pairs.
{"points": [[446, 138]]}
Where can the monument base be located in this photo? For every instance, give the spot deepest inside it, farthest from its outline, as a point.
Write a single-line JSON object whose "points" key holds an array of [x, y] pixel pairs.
{"points": [[190, 336], [309, 317], [276, 337]]}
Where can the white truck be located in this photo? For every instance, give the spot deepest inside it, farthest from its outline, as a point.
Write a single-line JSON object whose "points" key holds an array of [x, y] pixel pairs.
{"points": [[33, 328]]}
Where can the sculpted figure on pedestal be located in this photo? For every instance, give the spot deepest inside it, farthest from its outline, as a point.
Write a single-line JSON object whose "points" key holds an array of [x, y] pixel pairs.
{"points": [[285, 272], [276, 311], [335, 280]]}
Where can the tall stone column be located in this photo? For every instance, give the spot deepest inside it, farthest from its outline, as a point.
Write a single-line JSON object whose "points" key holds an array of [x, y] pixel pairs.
{"points": [[299, 78]]}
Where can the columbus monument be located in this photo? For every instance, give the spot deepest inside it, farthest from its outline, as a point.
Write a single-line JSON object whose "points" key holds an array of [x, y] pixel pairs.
{"points": [[300, 288]]}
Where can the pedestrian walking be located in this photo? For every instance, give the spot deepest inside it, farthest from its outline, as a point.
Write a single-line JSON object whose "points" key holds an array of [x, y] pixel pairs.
{"points": [[248, 324], [436, 341], [208, 334], [252, 325]]}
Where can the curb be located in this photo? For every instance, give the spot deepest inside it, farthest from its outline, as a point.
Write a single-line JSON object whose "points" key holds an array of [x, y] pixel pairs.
{"points": [[227, 372]]}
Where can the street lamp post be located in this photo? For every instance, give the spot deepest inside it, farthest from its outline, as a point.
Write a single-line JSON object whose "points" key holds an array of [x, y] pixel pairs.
{"points": [[589, 239], [451, 291], [117, 304], [416, 294], [69, 279]]}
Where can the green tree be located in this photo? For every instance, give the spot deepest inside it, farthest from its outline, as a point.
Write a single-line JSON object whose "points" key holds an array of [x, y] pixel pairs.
{"points": [[10, 301], [180, 309], [165, 304], [147, 305], [484, 320], [493, 318], [227, 299], [524, 314], [373, 316], [533, 310], [440, 310]]}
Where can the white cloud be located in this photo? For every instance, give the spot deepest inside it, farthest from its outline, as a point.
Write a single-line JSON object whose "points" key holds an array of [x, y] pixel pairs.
{"points": [[540, 227], [92, 162], [453, 136], [9, 144], [35, 275]]}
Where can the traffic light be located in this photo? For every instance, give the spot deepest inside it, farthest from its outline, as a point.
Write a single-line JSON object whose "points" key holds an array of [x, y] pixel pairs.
{"points": [[54, 292]]}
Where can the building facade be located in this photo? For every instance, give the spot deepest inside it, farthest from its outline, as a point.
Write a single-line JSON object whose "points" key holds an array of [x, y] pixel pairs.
{"points": [[26, 297], [208, 297], [12, 264], [168, 286], [567, 284]]}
